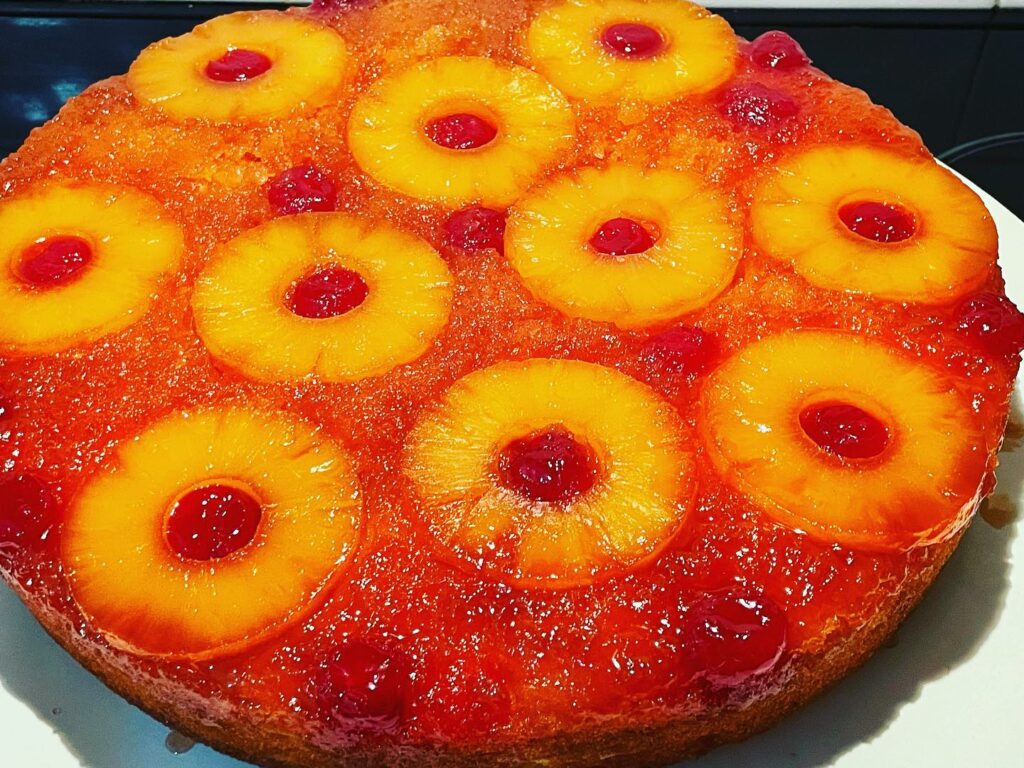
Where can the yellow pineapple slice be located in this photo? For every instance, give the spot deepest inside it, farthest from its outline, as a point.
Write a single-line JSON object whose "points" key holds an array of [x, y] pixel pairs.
{"points": [[323, 294], [460, 129], [202, 512], [248, 65], [613, 50], [866, 220], [79, 262], [843, 438], [551, 473], [624, 245]]}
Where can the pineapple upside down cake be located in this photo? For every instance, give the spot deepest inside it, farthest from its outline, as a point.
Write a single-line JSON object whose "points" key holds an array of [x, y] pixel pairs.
{"points": [[424, 382]]}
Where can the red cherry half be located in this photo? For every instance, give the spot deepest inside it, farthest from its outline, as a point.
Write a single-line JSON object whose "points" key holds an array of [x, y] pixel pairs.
{"points": [[302, 189], [28, 512], [327, 292], [550, 465], [475, 228], [621, 237], [777, 50], [757, 106], [54, 261], [363, 686], [461, 131], [632, 41], [686, 350], [879, 222], [730, 637], [238, 66], [212, 522], [992, 322], [844, 430]]}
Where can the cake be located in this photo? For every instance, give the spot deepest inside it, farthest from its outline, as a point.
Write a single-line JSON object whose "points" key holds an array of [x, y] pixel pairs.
{"points": [[549, 382]]}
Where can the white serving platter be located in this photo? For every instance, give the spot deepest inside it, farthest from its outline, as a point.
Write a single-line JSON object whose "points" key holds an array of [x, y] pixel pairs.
{"points": [[948, 694]]}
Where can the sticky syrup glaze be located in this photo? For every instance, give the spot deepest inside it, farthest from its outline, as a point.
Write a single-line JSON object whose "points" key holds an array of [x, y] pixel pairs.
{"points": [[491, 663]]}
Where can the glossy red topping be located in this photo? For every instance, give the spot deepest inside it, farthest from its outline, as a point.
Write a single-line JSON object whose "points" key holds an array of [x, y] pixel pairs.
{"points": [[621, 237], [302, 189], [6, 409], [633, 41], [844, 430], [777, 50], [550, 465], [363, 686], [993, 322], [475, 228], [55, 261], [881, 222], [757, 106], [461, 131], [27, 513], [238, 66], [327, 292], [730, 637], [212, 522], [685, 349]]}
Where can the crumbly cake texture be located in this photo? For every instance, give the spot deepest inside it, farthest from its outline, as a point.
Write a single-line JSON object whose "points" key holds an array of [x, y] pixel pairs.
{"points": [[537, 381]]}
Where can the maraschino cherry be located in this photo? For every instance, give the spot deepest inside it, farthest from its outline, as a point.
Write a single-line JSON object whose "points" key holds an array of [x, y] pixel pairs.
{"points": [[302, 189], [28, 513], [475, 228], [238, 66], [212, 522], [461, 131], [731, 636], [621, 237], [844, 430], [879, 222], [550, 465], [363, 686], [685, 350], [777, 50], [327, 292], [55, 261], [632, 41], [992, 322]]}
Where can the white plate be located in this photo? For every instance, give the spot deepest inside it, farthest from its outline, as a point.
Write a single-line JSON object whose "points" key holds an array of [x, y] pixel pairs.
{"points": [[950, 692]]}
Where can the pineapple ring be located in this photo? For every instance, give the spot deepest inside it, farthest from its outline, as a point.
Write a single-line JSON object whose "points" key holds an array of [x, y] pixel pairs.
{"points": [[307, 68], [133, 245], [243, 319], [144, 597], [699, 50], [644, 486], [387, 130], [921, 489], [795, 218], [693, 260]]}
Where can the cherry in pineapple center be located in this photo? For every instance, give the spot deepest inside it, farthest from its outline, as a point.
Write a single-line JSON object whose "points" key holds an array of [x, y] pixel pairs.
{"points": [[550, 465], [845, 430], [461, 131], [327, 292], [881, 222], [54, 261], [212, 522], [238, 66], [622, 237], [632, 41]]}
